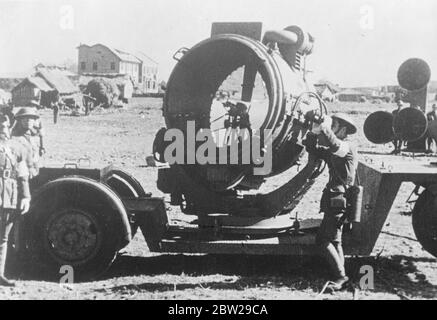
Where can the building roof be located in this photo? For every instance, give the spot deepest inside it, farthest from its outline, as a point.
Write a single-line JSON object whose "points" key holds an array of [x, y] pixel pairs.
{"points": [[125, 56], [37, 82], [139, 57], [334, 88], [322, 87], [122, 55], [57, 80], [146, 59], [62, 69], [40, 83]]}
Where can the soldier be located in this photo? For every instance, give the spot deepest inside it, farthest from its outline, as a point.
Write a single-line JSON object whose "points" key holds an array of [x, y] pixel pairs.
{"points": [[341, 158], [89, 102], [431, 117], [397, 143], [14, 186], [56, 106], [37, 128], [27, 132]]}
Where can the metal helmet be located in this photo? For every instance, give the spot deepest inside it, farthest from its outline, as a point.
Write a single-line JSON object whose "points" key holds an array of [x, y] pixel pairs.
{"points": [[27, 112], [346, 120]]}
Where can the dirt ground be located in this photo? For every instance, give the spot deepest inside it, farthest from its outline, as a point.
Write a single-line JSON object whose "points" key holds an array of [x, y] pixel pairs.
{"points": [[403, 270]]}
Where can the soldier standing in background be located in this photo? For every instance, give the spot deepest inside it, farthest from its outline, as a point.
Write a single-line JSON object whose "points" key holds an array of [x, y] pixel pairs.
{"points": [[397, 142], [29, 134], [431, 117], [89, 103], [37, 127], [55, 108], [14, 187]]}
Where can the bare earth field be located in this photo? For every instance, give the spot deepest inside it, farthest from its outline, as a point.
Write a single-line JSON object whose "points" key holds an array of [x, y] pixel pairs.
{"points": [[403, 270]]}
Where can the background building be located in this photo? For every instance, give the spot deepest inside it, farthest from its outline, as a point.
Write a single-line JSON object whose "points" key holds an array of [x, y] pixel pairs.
{"points": [[351, 95], [44, 86], [101, 59], [149, 73], [326, 93]]}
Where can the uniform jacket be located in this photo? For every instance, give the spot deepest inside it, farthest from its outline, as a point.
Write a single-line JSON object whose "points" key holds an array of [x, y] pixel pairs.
{"points": [[14, 174], [30, 143], [341, 158]]}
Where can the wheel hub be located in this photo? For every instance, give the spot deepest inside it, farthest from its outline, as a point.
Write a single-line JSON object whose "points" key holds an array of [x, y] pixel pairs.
{"points": [[73, 236]]}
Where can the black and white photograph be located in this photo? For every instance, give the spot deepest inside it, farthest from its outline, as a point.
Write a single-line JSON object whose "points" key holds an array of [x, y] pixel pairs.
{"points": [[218, 154]]}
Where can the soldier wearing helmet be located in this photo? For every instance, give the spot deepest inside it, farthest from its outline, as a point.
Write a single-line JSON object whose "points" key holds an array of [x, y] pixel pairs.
{"points": [[37, 128], [14, 189], [27, 131], [341, 158]]}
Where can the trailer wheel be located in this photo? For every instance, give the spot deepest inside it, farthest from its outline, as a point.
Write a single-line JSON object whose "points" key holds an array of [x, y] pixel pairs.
{"points": [[425, 221], [73, 223], [74, 236]]}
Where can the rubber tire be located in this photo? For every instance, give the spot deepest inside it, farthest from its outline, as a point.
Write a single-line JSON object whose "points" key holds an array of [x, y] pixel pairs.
{"points": [[425, 221], [123, 191], [49, 267]]}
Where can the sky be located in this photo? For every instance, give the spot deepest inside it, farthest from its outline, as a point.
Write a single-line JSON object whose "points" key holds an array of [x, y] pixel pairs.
{"points": [[358, 42]]}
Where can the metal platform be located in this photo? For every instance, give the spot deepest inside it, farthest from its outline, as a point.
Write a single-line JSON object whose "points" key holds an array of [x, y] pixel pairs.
{"points": [[283, 245], [221, 234], [407, 168], [381, 177]]}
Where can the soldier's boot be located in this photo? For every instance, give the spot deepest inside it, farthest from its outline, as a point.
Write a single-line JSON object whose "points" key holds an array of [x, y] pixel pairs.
{"points": [[338, 284], [3, 251]]}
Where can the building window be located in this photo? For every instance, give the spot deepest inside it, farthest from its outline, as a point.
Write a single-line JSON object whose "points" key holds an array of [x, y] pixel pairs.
{"points": [[112, 65], [94, 66], [82, 65]]}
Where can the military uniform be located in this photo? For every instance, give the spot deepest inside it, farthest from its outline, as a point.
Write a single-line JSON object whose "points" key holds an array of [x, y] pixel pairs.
{"points": [[30, 139], [14, 187], [397, 142], [30, 143], [431, 117], [341, 158]]}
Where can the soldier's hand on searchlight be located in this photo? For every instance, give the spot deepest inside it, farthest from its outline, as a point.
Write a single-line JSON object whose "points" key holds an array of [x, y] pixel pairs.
{"points": [[326, 124], [42, 151], [25, 205]]}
